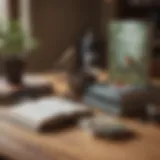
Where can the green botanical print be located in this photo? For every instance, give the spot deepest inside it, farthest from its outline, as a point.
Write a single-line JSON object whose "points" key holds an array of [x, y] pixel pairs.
{"points": [[128, 52]]}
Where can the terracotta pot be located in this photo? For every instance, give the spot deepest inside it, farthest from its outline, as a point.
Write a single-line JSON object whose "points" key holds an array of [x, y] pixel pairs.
{"points": [[14, 69]]}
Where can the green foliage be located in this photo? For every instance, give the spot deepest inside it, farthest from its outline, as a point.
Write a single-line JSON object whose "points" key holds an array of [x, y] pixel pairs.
{"points": [[15, 42]]}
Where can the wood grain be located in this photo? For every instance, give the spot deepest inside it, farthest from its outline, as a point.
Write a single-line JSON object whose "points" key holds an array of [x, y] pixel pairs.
{"points": [[76, 144]]}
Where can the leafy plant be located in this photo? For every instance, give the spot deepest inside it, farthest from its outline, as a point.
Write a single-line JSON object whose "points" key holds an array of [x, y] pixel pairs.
{"points": [[15, 42]]}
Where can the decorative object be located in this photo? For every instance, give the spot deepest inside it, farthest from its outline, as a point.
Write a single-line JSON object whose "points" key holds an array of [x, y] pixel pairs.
{"points": [[106, 127], [15, 45], [129, 52]]}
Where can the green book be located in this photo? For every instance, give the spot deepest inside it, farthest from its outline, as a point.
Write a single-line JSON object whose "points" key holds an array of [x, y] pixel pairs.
{"points": [[129, 52]]}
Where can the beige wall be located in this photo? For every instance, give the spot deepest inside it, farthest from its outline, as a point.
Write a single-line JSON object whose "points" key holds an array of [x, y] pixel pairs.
{"points": [[57, 23], [4, 13]]}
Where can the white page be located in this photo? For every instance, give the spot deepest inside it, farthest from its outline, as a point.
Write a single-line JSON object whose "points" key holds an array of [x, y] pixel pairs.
{"points": [[39, 111]]}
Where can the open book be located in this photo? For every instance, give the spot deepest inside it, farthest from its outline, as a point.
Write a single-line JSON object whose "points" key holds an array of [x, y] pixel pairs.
{"points": [[47, 112]]}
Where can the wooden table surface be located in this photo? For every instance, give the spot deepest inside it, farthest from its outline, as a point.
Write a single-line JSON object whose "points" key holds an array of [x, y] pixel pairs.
{"points": [[76, 144]]}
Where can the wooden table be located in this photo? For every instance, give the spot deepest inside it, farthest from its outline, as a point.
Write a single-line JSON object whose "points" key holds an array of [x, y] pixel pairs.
{"points": [[75, 144]]}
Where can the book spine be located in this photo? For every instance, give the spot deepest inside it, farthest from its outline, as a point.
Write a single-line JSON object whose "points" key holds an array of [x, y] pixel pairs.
{"points": [[110, 108]]}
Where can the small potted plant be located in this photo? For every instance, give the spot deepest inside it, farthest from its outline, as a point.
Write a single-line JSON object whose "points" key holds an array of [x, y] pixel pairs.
{"points": [[15, 45]]}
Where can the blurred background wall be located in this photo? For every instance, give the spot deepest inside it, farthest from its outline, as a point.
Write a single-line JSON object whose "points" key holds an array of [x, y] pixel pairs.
{"points": [[57, 24]]}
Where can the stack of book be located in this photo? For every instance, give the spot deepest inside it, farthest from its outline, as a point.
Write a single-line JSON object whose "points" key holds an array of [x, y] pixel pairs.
{"points": [[126, 100]]}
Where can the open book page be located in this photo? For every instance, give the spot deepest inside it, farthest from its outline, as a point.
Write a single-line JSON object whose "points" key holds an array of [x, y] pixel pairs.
{"points": [[38, 112]]}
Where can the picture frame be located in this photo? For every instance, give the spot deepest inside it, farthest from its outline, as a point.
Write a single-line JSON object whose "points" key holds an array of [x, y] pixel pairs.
{"points": [[129, 51]]}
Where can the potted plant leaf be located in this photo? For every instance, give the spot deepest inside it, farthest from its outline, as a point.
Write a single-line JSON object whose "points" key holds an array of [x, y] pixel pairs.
{"points": [[15, 45]]}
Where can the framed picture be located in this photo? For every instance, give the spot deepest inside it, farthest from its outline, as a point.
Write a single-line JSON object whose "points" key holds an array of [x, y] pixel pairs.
{"points": [[129, 56]]}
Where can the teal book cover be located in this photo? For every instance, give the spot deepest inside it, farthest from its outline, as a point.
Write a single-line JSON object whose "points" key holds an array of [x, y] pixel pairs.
{"points": [[128, 52]]}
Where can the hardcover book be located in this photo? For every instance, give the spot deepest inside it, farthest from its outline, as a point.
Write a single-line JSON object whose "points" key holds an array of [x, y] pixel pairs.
{"points": [[126, 100], [129, 52]]}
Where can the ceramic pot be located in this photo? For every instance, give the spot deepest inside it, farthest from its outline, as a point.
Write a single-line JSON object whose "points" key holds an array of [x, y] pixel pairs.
{"points": [[14, 69]]}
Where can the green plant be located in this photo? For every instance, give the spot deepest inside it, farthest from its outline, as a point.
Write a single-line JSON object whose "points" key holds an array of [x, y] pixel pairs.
{"points": [[14, 42]]}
